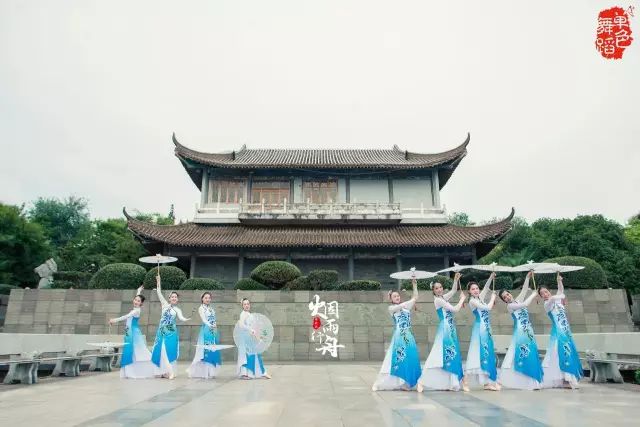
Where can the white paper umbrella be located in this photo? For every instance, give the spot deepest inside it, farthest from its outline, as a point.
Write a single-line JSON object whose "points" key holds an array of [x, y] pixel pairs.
{"points": [[215, 347], [493, 267], [456, 268], [257, 337], [158, 259], [412, 274], [560, 269], [535, 266]]}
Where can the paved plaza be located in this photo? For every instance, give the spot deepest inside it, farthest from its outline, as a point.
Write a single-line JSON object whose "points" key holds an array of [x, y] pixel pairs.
{"points": [[325, 394]]}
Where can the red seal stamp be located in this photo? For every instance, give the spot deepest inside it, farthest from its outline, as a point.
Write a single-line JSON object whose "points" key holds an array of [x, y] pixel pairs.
{"points": [[613, 34]]}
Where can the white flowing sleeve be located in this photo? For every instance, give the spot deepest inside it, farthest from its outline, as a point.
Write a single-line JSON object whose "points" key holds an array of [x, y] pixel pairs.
{"points": [[442, 303], [518, 305], [242, 322], [161, 297], [485, 290], [560, 287], [179, 314], [453, 290], [203, 316], [133, 313], [523, 292], [408, 305], [477, 303]]}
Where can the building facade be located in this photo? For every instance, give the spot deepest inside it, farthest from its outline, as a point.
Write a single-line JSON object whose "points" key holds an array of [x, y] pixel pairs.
{"points": [[363, 212]]}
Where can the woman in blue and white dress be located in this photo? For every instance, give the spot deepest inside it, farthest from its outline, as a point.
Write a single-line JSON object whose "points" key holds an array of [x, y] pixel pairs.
{"points": [[206, 363], [166, 348], [521, 368], [135, 361], [481, 359], [401, 367], [249, 366], [443, 368], [561, 364]]}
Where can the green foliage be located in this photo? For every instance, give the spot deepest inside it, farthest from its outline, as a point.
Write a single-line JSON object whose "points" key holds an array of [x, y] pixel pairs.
{"points": [[201, 283], [424, 283], [156, 218], [63, 284], [172, 277], [323, 279], [461, 219], [358, 285], [118, 276], [591, 277], [61, 220], [23, 247], [636, 376], [632, 230], [6, 289], [274, 274], [248, 284], [80, 279], [590, 236], [503, 282], [299, 284]]}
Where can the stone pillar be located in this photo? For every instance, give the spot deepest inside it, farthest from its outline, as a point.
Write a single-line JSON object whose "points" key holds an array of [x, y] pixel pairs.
{"points": [[192, 269], [351, 264], [204, 188], [390, 191], [241, 265], [399, 267], [247, 197], [435, 188], [474, 258], [347, 182]]}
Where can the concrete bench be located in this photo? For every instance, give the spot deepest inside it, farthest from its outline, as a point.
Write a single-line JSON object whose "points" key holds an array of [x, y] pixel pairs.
{"points": [[23, 368], [605, 354]]}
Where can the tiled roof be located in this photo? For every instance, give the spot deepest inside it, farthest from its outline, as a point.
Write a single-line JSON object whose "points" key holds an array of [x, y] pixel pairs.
{"points": [[394, 158], [245, 236]]}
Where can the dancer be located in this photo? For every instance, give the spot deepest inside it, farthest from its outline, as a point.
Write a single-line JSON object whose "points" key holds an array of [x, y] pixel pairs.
{"points": [[401, 367], [443, 368], [521, 368], [561, 364], [166, 349], [206, 363], [135, 361], [249, 366], [481, 359]]}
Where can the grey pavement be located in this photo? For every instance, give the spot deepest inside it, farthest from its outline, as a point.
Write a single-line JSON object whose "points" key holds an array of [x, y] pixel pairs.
{"points": [[323, 394]]}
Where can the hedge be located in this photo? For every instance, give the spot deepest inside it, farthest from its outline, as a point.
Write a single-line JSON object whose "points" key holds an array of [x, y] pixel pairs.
{"points": [[248, 284], [80, 279], [6, 289], [201, 284], [320, 280], [63, 284], [118, 276], [591, 277], [172, 277], [298, 284], [275, 274], [358, 285], [423, 284]]}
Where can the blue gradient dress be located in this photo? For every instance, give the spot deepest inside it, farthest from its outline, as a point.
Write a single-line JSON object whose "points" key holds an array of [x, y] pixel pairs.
{"points": [[206, 363], [135, 361], [481, 359], [562, 362], [401, 366], [166, 349]]}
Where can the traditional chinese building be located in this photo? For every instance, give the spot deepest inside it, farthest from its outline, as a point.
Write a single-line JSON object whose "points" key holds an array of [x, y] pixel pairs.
{"points": [[363, 212]]}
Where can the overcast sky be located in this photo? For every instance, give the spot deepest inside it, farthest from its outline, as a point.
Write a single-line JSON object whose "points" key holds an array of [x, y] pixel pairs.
{"points": [[90, 92]]}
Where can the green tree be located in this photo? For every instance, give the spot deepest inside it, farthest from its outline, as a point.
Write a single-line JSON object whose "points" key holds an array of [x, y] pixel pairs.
{"points": [[156, 217], [632, 230], [61, 220], [460, 218], [23, 246]]}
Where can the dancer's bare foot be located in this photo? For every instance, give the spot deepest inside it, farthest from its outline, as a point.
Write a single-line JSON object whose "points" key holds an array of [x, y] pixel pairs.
{"points": [[465, 388], [490, 387], [419, 388], [245, 377], [266, 376], [374, 388]]}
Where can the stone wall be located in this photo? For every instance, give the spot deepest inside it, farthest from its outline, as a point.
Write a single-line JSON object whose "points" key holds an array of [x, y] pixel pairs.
{"points": [[365, 325]]}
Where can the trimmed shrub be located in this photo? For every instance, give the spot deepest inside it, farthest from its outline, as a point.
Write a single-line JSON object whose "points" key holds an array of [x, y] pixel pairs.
{"points": [[503, 282], [80, 279], [248, 284], [118, 276], [299, 284], [591, 277], [172, 277], [320, 280], [423, 284], [63, 284], [358, 285], [6, 289], [274, 274], [201, 284]]}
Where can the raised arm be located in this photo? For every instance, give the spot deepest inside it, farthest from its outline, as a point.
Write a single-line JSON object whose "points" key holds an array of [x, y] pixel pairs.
{"points": [[492, 301], [478, 303], [159, 291], [487, 287], [454, 288], [441, 302], [525, 288], [140, 289]]}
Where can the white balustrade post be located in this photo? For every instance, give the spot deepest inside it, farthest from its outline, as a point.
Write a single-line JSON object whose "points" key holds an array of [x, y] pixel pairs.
{"points": [[262, 207], [308, 205], [241, 206], [284, 205], [422, 208], [218, 207]]}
